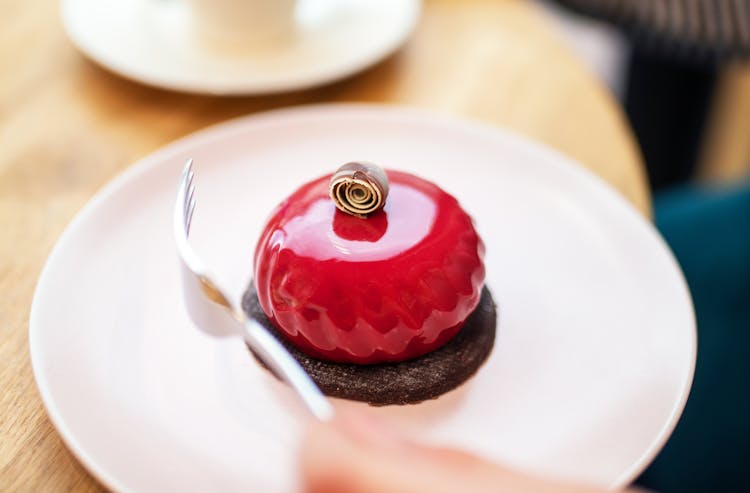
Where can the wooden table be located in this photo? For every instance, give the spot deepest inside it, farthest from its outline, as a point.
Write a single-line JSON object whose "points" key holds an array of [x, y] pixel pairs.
{"points": [[67, 127]]}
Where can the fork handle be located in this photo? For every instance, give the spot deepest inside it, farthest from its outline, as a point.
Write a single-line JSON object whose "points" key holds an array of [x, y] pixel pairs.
{"points": [[277, 358]]}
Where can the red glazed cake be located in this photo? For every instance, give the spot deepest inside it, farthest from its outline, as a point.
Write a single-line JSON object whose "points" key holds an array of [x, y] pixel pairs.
{"points": [[374, 281]]}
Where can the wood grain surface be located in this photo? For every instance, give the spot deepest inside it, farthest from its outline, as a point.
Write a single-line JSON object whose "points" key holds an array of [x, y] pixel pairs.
{"points": [[68, 126]]}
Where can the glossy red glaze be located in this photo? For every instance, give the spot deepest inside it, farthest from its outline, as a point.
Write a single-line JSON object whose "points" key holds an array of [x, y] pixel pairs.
{"points": [[387, 288]]}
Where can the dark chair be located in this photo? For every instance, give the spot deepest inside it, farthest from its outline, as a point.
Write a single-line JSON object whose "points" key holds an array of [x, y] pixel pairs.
{"points": [[678, 46]]}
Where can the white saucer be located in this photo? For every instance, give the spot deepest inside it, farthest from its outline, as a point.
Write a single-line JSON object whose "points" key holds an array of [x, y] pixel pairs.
{"points": [[151, 41], [591, 368]]}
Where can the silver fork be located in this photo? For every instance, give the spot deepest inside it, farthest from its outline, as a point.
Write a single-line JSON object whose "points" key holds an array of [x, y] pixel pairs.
{"points": [[211, 310]]}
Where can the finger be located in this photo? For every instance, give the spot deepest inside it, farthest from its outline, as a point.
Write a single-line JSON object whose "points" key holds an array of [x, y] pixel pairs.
{"points": [[359, 454]]}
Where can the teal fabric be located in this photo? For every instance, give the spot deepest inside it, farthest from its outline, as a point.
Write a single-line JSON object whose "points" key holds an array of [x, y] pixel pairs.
{"points": [[709, 232]]}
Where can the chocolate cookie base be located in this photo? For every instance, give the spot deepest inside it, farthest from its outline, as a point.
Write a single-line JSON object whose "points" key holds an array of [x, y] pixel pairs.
{"points": [[405, 382]]}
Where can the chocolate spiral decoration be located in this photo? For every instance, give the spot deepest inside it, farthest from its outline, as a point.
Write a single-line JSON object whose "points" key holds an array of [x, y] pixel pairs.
{"points": [[359, 188]]}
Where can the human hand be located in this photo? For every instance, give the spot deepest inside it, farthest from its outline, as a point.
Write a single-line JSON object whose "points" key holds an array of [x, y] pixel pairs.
{"points": [[356, 453]]}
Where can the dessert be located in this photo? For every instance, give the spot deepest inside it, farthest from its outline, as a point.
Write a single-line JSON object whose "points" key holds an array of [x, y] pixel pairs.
{"points": [[374, 281]]}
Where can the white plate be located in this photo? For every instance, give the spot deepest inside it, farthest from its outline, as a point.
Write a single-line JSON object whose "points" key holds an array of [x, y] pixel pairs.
{"points": [[151, 41], [591, 368]]}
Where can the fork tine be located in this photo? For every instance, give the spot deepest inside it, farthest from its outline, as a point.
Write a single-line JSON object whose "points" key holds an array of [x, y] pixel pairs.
{"points": [[188, 165], [187, 181], [190, 191], [188, 205], [189, 217], [189, 199]]}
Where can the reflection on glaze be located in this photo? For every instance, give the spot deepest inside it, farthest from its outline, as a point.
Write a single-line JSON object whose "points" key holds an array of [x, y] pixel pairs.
{"points": [[317, 231], [352, 228]]}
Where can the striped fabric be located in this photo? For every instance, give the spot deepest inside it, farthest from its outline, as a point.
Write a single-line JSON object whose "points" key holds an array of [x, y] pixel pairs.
{"points": [[695, 29]]}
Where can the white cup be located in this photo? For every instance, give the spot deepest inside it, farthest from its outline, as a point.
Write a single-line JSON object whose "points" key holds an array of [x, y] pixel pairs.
{"points": [[248, 22]]}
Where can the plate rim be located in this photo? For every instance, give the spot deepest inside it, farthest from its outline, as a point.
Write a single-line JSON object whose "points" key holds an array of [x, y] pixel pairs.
{"points": [[153, 159], [237, 88]]}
